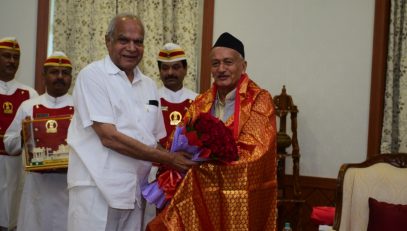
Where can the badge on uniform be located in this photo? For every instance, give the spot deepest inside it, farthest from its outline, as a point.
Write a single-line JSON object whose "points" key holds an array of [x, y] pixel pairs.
{"points": [[51, 126], [7, 107], [175, 118]]}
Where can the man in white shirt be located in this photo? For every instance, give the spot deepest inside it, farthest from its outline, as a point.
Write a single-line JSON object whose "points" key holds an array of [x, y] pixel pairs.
{"points": [[12, 94], [175, 98], [44, 201], [113, 135]]}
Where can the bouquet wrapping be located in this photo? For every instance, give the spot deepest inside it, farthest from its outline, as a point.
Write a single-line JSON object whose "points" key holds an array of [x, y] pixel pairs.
{"points": [[207, 139]]}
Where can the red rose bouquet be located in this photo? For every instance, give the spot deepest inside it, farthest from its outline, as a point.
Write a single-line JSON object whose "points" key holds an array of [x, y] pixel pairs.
{"points": [[207, 139], [213, 137]]}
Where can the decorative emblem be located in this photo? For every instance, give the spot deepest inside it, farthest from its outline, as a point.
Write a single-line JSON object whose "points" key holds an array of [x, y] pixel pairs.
{"points": [[175, 118], [51, 126], [7, 107]]}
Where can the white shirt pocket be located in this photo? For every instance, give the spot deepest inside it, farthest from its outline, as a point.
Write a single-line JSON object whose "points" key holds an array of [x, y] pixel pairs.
{"points": [[150, 118]]}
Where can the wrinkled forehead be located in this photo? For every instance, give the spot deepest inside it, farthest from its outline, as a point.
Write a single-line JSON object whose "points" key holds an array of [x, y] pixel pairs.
{"points": [[224, 53], [128, 27]]}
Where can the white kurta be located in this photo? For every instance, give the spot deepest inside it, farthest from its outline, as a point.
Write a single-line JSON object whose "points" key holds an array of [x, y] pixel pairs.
{"points": [[11, 169], [176, 96], [44, 201], [104, 94]]}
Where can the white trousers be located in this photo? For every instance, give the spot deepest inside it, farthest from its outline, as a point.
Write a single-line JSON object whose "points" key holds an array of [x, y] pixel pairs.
{"points": [[11, 182], [44, 203], [88, 210]]}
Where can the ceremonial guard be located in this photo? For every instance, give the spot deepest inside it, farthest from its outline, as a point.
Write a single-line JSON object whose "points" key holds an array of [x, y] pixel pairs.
{"points": [[175, 98], [44, 202], [12, 94]]}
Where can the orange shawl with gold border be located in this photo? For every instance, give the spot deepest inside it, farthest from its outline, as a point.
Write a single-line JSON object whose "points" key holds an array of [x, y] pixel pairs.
{"points": [[240, 196]]}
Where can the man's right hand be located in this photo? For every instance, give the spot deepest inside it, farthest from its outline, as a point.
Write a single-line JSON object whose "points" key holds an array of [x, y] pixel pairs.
{"points": [[181, 161]]}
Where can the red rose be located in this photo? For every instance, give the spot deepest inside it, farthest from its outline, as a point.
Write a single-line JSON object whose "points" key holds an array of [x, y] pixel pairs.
{"points": [[212, 135], [193, 138]]}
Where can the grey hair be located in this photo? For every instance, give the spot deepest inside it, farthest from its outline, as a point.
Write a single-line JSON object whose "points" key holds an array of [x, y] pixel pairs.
{"points": [[112, 24]]}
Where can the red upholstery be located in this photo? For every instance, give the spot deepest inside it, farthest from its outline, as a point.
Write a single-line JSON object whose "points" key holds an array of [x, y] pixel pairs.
{"points": [[323, 215]]}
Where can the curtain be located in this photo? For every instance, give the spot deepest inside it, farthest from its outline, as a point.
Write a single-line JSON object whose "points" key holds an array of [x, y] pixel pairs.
{"points": [[79, 28], [394, 132]]}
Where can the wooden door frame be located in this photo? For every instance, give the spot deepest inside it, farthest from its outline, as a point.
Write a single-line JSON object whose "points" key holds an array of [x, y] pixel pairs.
{"points": [[378, 78]]}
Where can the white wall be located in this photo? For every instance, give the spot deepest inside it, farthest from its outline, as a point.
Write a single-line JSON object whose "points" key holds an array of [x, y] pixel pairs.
{"points": [[18, 18], [321, 50]]}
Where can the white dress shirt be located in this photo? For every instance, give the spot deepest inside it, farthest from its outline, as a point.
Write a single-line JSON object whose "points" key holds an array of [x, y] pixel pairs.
{"points": [[104, 94]]}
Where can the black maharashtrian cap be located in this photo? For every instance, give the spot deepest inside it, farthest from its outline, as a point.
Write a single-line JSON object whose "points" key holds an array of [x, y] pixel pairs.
{"points": [[229, 41]]}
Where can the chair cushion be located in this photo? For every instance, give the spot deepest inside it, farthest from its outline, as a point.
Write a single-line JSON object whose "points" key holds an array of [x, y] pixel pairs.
{"points": [[386, 216], [323, 215], [381, 181]]}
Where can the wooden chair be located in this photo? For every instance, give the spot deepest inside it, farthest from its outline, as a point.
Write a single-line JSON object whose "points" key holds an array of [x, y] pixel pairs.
{"points": [[383, 177], [289, 205]]}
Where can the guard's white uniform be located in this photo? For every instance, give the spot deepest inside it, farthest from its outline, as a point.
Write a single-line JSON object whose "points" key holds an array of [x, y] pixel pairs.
{"points": [[177, 96], [104, 94], [11, 169], [44, 202]]}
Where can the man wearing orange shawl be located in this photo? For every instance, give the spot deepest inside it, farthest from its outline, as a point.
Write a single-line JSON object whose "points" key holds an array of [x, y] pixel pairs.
{"points": [[242, 195]]}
